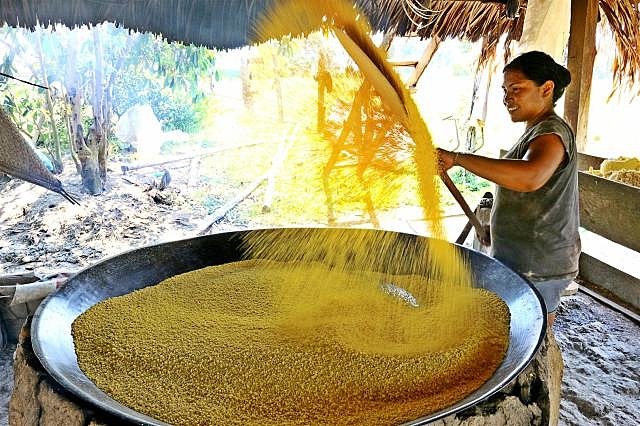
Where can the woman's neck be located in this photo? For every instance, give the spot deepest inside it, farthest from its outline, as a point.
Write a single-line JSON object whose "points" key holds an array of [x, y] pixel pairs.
{"points": [[540, 117]]}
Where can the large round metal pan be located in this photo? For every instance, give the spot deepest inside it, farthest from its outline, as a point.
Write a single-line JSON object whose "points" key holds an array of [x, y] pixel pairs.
{"points": [[122, 274]]}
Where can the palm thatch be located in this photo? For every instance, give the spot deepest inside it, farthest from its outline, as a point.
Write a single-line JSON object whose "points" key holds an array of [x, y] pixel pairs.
{"points": [[487, 21], [623, 17], [225, 24], [473, 21], [222, 24]]}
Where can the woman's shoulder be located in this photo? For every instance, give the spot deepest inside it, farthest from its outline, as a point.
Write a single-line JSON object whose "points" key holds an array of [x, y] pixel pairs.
{"points": [[553, 124]]}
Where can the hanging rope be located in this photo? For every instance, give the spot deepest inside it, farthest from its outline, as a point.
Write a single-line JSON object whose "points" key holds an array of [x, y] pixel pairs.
{"points": [[23, 81]]}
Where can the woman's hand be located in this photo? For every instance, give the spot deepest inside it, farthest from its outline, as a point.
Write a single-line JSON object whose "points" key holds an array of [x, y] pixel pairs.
{"points": [[446, 159]]}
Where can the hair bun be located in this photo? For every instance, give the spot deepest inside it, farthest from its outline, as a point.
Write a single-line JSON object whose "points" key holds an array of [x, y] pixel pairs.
{"points": [[563, 76]]}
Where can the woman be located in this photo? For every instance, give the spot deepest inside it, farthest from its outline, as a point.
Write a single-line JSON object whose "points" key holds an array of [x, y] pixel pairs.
{"points": [[534, 221]]}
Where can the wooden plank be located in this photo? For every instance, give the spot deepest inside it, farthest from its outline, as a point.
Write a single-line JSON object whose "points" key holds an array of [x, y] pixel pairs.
{"points": [[610, 209], [422, 64], [18, 278], [585, 161], [606, 297], [582, 53], [623, 285], [403, 63], [131, 167], [221, 212]]}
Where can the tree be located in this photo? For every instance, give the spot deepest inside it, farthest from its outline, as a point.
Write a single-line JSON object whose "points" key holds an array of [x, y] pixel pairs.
{"points": [[100, 71], [57, 149], [30, 109]]}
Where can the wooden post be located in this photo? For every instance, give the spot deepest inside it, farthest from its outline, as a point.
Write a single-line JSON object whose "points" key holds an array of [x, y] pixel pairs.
{"points": [[424, 61], [582, 52]]}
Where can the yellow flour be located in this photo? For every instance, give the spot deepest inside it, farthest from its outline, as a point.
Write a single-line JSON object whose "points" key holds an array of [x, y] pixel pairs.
{"points": [[238, 343]]}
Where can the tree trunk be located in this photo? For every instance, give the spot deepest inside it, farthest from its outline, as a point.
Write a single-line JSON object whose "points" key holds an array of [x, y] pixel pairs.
{"points": [[97, 137], [107, 110], [56, 152], [70, 133], [90, 159], [85, 149]]}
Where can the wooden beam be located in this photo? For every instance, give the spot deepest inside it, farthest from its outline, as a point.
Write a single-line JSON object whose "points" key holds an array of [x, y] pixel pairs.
{"points": [[221, 212], [128, 167], [18, 278], [585, 161], [429, 51], [610, 209], [621, 284], [403, 63], [582, 52]]}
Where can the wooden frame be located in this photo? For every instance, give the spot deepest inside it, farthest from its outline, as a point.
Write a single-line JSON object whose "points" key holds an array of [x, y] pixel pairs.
{"points": [[582, 53], [612, 210]]}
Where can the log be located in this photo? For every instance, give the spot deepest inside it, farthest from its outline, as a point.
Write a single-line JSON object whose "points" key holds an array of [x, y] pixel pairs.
{"points": [[424, 61], [221, 212], [24, 293], [19, 301], [18, 278], [128, 168], [532, 398]]}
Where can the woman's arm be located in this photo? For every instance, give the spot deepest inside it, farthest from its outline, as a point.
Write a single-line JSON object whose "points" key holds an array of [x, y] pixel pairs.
{"points": [[545, 154]]}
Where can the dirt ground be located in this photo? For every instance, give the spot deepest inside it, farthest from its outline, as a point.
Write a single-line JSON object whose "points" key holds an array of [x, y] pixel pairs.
{"points": [[42, 232], [601, 383]]}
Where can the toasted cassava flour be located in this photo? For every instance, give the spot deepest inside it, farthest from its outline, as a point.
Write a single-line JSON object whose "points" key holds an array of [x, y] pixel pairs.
{"points": [[242, 343]]}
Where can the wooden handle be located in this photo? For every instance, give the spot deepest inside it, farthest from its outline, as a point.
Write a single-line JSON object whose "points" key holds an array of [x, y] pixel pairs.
{"points": [[482, 232]]}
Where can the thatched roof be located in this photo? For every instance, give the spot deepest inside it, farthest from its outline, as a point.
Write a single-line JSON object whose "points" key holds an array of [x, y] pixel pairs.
{"points": [[473, 21], [623, 17], [222, 24], [486, 21], [225, 24], [218, 24]]}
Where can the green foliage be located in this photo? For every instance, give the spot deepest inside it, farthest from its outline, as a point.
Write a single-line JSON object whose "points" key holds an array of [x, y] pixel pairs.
{"points": [[180, 117], [27, 109], [172, 78], [469, 181]]}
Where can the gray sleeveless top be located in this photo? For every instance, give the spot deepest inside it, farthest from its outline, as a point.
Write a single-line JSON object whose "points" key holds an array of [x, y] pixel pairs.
{"points": [[536, 233]]}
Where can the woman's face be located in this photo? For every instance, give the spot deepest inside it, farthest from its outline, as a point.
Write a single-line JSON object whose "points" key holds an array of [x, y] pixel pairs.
{"points": [[524, 99]]}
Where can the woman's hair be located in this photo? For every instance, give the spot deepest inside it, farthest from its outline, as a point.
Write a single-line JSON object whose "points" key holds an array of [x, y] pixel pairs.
{"points": [[540, 67]]}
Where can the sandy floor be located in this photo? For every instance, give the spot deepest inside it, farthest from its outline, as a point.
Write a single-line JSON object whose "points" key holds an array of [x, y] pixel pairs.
{"points": [[601, 384]]}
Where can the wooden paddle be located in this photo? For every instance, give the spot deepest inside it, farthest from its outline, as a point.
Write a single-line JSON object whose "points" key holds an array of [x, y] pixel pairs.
{"points": [[483, 234], [364, 57]]}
